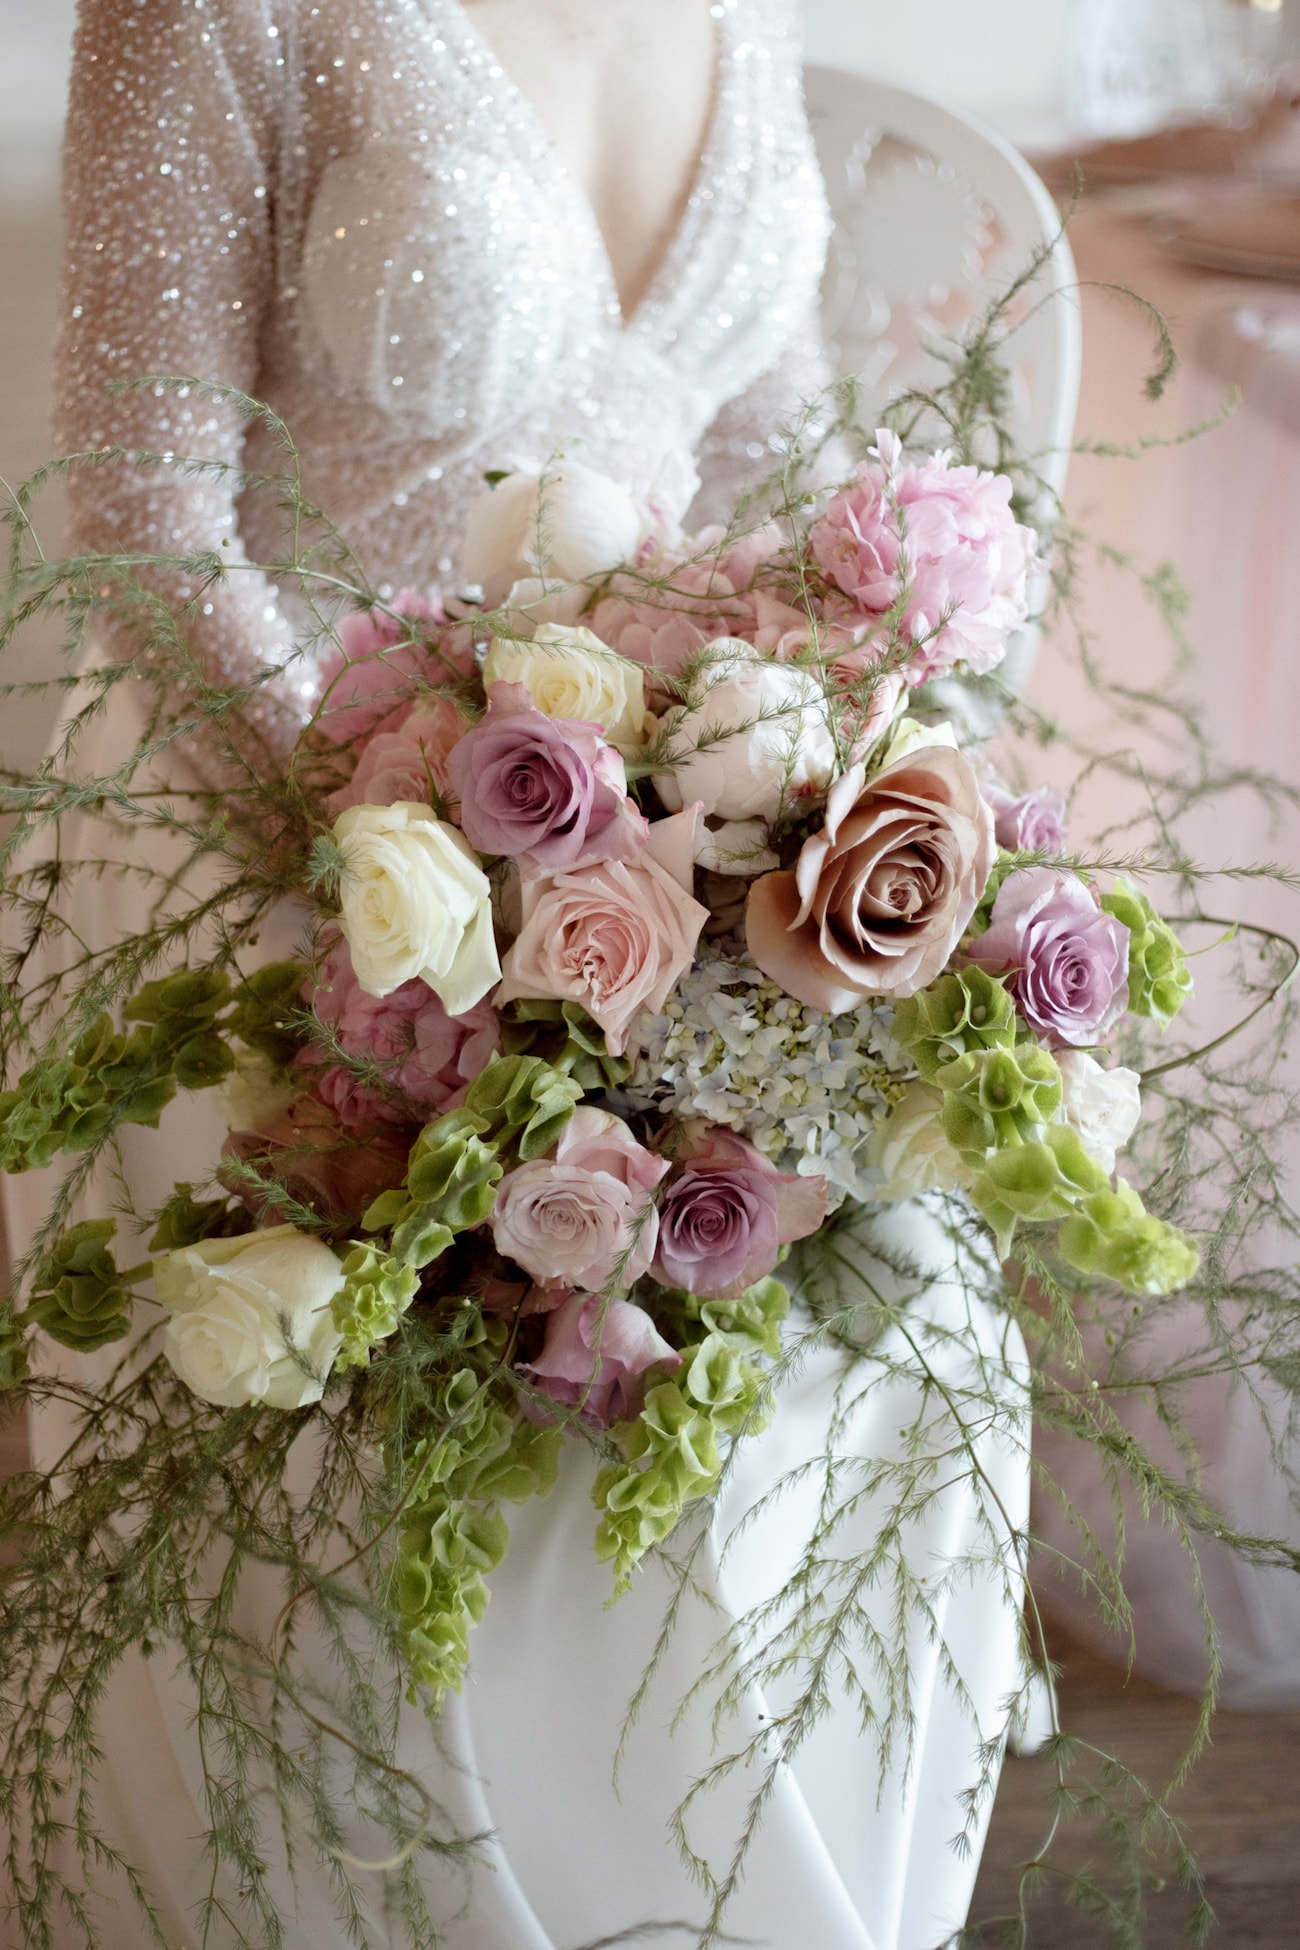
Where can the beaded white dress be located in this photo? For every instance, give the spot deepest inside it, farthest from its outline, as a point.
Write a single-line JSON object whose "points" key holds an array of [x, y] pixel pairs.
{"points": [[349, 211]]}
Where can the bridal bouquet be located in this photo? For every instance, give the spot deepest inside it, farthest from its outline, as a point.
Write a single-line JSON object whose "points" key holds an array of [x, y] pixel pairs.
{"points": [[654, 923]]}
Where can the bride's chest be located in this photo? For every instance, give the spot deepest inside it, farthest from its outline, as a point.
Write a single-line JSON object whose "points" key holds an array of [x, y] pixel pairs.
{"points": [[444, 266]]}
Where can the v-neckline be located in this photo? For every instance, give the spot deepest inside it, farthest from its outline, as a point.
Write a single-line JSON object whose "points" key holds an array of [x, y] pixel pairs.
{"points": [[667, 271]]}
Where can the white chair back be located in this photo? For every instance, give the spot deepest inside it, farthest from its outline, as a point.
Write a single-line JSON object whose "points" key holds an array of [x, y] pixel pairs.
{"points": [[935, 216]]}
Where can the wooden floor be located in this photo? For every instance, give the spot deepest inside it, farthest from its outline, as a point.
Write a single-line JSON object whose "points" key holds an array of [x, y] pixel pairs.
{"points": [[1240, 1810]]}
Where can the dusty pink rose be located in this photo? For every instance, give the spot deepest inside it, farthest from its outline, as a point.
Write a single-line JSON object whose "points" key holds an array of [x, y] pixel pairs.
{"points": [[595, 1358], [1066, 960], [371, 673], [1032, 823], [613, 937], [881, 896], [549, 792], [336, 1169], [427, 1057], [727, 1213], [586, 1216], [409, 762], [943, 538], [596, 1140]]}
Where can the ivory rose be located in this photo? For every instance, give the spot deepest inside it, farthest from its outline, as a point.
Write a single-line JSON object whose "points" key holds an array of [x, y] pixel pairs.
{"points": [[549, 792], [564, 522], [595, 1358], [250, 1318], [614, 937], [1103, 1106], [586, 1216], [881, 896], [570, 674], [414, 902], [726, 1214], [759, 734], [911, 1151]]}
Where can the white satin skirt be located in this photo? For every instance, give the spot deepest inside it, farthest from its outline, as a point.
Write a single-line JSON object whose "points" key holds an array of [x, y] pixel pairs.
{"points": [[856, 1849]]}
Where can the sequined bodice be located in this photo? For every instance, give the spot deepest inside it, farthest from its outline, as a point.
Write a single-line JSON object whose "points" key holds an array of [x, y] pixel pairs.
{"points": [[349, 211]]}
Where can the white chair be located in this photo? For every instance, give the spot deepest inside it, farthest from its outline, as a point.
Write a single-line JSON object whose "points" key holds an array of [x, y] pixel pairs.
{"points": [[935, 216]]}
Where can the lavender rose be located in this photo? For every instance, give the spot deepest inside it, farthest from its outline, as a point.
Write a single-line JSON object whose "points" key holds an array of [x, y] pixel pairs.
{"points": [[595, 1358], [880, 897], [547, 791], [726, 1216], [1066, 962], [1034, 823]]}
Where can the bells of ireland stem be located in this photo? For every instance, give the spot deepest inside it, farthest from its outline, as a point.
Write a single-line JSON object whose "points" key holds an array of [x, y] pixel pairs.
{"points": [[1036, 1182], [80, 1300], [1114, 1237], [961, 1012], [998, 1097], [376, 1292], [1159, 980]]}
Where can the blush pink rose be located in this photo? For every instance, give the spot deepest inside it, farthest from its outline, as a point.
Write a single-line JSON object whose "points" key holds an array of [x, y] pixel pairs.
{"points": [[727, 1213], [881, 896], [613, 937], [410, 762], [548, 792], [374, 670], [572, 1221], [426, 1057], [943, 539], [595, 1358]]}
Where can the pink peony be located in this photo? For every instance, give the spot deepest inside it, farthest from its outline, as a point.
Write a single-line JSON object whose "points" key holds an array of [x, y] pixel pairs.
{"points": [[613, 937], [1066, 960], [371, 672], [427, 1057], [595, 1358], [942, 538], [726, 1215], [409, 762], [549, 792]]}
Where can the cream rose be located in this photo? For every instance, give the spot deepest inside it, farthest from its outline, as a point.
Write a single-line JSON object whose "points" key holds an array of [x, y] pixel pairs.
{"points": [[251, 1318], [415, 902], [760, 733], [563, 523], [255, 1093], [572, 674], [911, 1152], [1103, 1106]]}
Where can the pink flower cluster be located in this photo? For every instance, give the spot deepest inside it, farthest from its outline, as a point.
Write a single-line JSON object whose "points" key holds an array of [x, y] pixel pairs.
{"points": [[426, 1057], [368, 676], [941, 541]]}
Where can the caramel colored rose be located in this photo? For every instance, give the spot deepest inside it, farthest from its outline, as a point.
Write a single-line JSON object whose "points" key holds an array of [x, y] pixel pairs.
{"points": [[880, 897]]}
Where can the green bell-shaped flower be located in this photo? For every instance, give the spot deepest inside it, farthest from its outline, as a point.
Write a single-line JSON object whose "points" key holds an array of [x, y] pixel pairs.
{"points": [[998, 1097], [1159, 980], [969, 1010], [1114, 1237]]}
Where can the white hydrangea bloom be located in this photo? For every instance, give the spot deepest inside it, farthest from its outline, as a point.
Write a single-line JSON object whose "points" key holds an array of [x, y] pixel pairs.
{"points": [[805, 1088]]}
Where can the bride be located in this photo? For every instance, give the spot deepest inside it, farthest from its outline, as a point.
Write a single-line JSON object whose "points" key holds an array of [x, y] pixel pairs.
{"points": [[437, 238]]}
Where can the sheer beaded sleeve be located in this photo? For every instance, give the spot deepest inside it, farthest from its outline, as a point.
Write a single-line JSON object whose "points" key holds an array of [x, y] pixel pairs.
{"points": [[169, 192], [736, 454]]}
